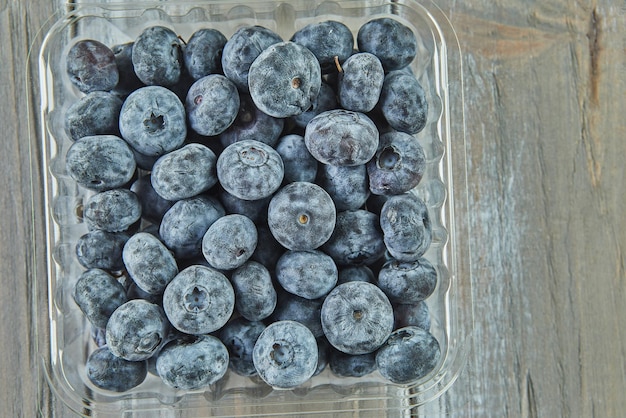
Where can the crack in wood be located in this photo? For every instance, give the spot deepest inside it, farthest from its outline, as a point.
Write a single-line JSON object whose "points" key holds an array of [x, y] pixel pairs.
{"points": [[594, 36]]}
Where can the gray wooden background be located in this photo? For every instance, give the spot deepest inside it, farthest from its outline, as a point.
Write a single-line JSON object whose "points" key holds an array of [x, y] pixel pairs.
{"points": [[545, 85]]}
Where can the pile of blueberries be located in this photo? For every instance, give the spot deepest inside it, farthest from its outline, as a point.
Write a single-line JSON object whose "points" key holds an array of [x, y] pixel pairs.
{"points": [[251, 205]]}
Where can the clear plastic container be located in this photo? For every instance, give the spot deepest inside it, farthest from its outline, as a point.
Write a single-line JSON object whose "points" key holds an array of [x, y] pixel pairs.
{"points": [[64, 347]]}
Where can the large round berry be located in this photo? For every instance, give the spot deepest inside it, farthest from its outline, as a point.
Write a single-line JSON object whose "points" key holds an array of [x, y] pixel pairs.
{"points": [[407, 281], [97, 113], [91, 66], [301, 216], [250, 170], [109, 372], [100, 162], [203, 53], [285, 354], [185, 172], [199, 300], [192, 362], [98, 295], [360, 82], [308, 274], [112, 210], [243, 47], [398, 165], [406, 226], [101, 249], [357, 317], [403, 102], [149, 263], [284, 80], [341, 137], [298, 162], [409, 354], [327, 40], [356, 239], [255, 296], [152, 121], [136, 330], [229, 242], [347, 185], [212, 104], [158, 56], [390, 40]]}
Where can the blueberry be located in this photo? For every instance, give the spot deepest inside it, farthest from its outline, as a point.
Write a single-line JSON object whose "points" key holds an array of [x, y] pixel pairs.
{"points": [[407, 281], [398, 165], [135, 292], [199, 300], [406, 227], [356, 239], [301, 216], [153, 206], [390, 40], [416, 314], [305, 311], [91, 66], [326, 40], [351, 365], [239, 337], [243, 47], [251, 123], [97, 113], [250, 170], [203, 53], [149, 263], [409, 354], [98, 295], [403, 102], [158, 56], [357, 317], [136, 330], [100, 162], [256, 210], [341, 137], [284, 80], [212, 104], [324, 101], [109, 372], [255, 296], [285, 354], [229, 242], [360, 82], [192, 362], [355, 274], [347, 185], [112, 210], [152, 121], [298, 162], [101, 249], [185, 172], [184, 225], [128, 80], [308, 274]]}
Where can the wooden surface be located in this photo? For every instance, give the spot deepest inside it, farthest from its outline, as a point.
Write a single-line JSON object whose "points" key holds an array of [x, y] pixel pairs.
{"points": [[545, 86]]}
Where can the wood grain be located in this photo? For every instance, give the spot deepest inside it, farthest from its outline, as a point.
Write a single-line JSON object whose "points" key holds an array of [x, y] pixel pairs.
{"points": [[545, 87]]}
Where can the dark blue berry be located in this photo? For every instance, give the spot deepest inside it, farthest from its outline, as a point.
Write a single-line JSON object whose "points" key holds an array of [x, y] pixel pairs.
{"points": [[285, 354], [407, 281], [416, 314], [252, 124], [101, 249], [128, 80], [357, 317], [355, 274], [308, 274], [153, 206], [239, 337], [305, 311], [91, 66], [351, 365], [403, 102], [98, 295], [185, 172], [360, 82], [112, 210], [97, 113], [158, 56], [347, 185], [255, 296], [409, 354], [341, 137], [390, 40], [153, 121], [284, 80], [301, 216], [199, 300], [203, 53], [326, 40], [298, 162], [324, 101], [109, 372], [356, 239], [406, 227], [229, 242], [212, 104], [100, 162]]}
